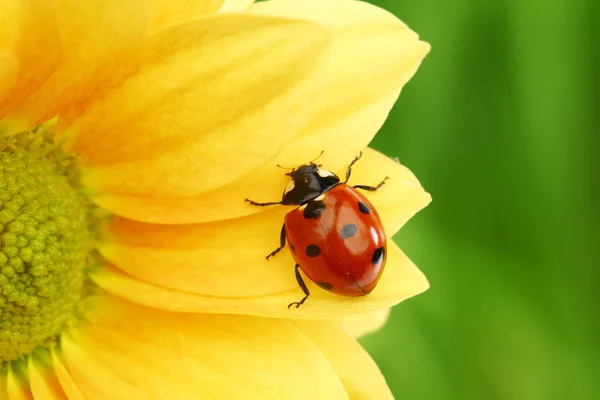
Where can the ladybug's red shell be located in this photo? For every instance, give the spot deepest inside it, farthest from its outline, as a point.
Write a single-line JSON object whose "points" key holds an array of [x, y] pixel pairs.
{"points": [[338, 241]]}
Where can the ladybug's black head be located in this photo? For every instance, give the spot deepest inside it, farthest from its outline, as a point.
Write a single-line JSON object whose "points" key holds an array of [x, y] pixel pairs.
{"points": [[308, 182]]}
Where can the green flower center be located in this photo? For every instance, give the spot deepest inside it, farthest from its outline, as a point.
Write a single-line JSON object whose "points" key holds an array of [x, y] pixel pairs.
{"points": [[44, 241]]}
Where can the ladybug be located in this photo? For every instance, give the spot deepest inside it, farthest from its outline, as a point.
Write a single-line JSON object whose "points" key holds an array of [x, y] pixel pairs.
{"points": [[334, 234]]}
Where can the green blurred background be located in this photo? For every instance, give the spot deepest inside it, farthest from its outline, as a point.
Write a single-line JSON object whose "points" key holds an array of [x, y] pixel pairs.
{"points": [[502, 125]]}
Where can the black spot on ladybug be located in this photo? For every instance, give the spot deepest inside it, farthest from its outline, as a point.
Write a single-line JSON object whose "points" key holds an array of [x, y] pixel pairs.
{"points": [[348, 231], [313, 250], [378, 256], [313, 209], [325, 285], [292, 247], [363, 208]]}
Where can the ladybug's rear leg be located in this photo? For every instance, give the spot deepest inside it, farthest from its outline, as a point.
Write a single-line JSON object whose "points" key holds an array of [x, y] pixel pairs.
{"points": [[281, 243], [302, 286], [371, 188]]}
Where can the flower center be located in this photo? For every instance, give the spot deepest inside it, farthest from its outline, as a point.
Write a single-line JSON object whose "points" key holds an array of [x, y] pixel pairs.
{"points": [[44, 241]]}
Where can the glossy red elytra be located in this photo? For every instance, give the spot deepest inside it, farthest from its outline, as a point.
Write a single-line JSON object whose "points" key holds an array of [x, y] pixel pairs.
{"points": [[335, 234]]}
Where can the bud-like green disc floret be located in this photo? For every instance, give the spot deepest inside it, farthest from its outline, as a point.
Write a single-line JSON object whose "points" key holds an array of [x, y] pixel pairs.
{"points": [[43, 239]]}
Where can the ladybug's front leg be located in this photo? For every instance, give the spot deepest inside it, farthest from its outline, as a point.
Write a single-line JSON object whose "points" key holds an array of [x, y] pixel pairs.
{"points": [[363, 187], [371, 188], [302, 286], [254, 203], [349, 169], [281, 243]]}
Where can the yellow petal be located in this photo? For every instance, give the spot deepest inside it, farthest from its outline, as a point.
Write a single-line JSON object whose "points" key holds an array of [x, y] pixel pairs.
{"points": [[355, 368], [168, 12], [132, 352], [3, 377], [402, 193], [43, 381], [28, 31], [17, 386], [401, 280], [91, 32], [227, 258], [8, 72], [66, 380], [373, 56], [363, 324], [235, 5], [198, 103], [3, 383]]}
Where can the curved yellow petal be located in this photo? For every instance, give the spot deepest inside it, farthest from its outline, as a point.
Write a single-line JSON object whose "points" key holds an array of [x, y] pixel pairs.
{"points": [[355, 368], [28, 31], [169, 12], [373, 55], [66, 380], [235, 5], [363, 324], [132, 352], [91, 32], [44, 383], [227, 258], [17, 385], [403, 192], [198, 103], [401, 280]]}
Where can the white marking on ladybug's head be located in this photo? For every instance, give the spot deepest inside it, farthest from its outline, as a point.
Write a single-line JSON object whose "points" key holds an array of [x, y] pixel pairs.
{"points": [[289, 187], [302, 207], [321, 197], [323, 173]]}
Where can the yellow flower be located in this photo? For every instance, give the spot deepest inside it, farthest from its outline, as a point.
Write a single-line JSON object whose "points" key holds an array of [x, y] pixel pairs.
{"points": [[167, 115]]}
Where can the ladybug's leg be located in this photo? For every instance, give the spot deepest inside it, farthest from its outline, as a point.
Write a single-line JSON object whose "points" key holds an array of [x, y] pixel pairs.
{"points": [[349, 169], [302, 286], [281, 243], [371, 188], [262, 204]]}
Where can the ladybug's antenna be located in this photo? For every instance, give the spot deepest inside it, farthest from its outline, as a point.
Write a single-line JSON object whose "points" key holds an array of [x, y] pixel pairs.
{"points": [[319, 156], [293, 169], [285, 167]]}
